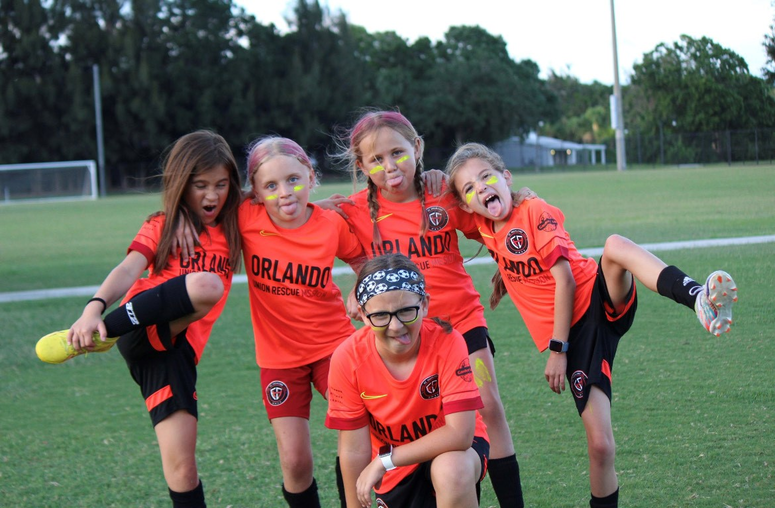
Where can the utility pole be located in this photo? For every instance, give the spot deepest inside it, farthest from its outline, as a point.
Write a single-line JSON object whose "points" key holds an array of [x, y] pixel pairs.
{"points": [[98, 121], [617, 115]]}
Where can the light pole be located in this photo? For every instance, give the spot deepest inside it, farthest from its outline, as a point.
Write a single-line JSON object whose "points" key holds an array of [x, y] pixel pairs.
{"points": [[617, 115], [98, 121]]}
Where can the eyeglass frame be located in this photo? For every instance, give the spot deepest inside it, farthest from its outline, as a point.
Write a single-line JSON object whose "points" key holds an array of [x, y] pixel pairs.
{"points": [[391, 315]]}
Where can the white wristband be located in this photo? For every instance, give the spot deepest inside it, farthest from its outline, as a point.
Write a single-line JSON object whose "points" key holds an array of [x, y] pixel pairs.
{"points": [[387, 461]]}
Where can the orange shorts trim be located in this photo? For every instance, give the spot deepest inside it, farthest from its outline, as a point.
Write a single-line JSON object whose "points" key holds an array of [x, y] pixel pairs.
{"points": [[606, 369], [158, 397], [154, 339]]}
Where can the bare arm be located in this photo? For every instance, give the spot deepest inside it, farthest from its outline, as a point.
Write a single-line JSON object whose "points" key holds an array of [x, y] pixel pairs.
{"points": [[564, 294], [333, 202], [115, 285], [456, 435], [185, 239], [354, 456]]}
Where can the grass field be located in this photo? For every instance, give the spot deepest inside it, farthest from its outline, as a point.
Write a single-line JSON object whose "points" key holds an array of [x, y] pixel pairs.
{"points": [[693, 414]]}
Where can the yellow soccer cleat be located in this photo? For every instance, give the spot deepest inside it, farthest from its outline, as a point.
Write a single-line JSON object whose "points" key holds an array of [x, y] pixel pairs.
{"points": [[53, 348]]}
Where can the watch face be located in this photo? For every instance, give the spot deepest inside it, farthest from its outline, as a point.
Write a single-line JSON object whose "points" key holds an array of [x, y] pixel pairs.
{"points": [[557, 345], [384, 450]]}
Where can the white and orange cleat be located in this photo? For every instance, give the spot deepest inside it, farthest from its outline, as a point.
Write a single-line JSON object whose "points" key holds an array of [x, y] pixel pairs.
{"points": [[714, 302]]}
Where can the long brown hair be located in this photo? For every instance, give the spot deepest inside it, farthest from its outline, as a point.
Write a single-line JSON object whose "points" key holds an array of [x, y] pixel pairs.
{"points": [[349, 142], [191, 155]]}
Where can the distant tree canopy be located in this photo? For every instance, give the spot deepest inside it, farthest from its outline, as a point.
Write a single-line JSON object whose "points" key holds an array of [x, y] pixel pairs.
{"points": [[696, 85], [168, 67], [769, 47]]}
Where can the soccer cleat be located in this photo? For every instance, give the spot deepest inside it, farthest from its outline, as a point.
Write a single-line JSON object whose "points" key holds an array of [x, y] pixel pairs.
{"points": [[53, 348], [714, 302]]}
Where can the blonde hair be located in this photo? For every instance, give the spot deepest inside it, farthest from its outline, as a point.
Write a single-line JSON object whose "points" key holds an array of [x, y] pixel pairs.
{"points": [[349, 144], [265, 148]]}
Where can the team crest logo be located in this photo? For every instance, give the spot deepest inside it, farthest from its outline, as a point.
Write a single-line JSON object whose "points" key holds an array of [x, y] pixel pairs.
{"points": [[516, 241], [429, 389], [381, 503], [577, 383], [277, 393], [547, 223], [464, 371], [437, 217]]}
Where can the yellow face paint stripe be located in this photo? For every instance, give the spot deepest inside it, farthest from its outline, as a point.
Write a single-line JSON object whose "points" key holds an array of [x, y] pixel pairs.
{"points": [[402, 159], [270, 198], [493, 180], [297, 188], [469, 196], [376, 169], [481, 373]]}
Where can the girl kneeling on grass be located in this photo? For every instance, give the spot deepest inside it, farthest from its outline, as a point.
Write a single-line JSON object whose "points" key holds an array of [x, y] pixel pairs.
{"points": [[570, 304], [165, 319], [403, 397]]}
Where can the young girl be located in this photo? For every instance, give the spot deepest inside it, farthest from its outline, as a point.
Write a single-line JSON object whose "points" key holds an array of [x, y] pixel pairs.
{"points": [[298, 314], [570, 304], [164, 321], [403, 397], [395, 214]]}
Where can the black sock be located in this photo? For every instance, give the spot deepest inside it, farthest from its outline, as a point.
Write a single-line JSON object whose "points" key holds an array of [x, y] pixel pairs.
{"points": [[504, 475], [307, 499], [340, 484], [191, 499], [162, 304], [609, 501], [678, 286]]}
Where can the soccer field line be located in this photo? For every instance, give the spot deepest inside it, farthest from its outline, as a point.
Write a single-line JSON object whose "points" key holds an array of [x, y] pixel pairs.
{"points": [[43, 294]]}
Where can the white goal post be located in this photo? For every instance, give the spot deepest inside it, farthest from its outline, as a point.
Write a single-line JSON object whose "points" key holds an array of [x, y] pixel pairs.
{"points": [[48, 181]]}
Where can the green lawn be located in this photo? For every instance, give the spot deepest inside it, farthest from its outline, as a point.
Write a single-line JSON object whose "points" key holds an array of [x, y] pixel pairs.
{"points": [[693, 414]]}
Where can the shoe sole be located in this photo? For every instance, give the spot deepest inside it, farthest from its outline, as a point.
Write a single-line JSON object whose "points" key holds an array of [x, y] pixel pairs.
{"points": [[54, 349], [722, 293]]}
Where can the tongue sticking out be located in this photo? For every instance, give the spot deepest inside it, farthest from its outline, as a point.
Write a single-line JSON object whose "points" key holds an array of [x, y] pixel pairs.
{"points": [[403, 339], [494, 207], [289, 209], [395, 181]]}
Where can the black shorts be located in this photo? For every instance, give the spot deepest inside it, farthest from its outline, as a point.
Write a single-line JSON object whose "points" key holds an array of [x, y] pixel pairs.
{"points": [[416, 490], [593, 341], [478, 338], [167, 378]]}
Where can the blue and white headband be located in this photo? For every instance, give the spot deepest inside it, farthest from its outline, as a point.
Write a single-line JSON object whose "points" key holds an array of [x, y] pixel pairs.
{"points": [[390, 279]]}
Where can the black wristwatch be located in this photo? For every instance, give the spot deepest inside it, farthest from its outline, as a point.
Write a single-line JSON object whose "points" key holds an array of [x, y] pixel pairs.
{"points": [[386, 456], [558, 346]]}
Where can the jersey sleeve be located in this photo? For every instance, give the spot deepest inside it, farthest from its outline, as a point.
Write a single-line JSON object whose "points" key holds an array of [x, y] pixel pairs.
{"points": [[349, 249], [552, 241], [146, 242], [346, 410]]}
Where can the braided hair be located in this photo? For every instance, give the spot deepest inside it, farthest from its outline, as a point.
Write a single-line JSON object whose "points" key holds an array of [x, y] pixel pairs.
{"points": [[349, 142]]}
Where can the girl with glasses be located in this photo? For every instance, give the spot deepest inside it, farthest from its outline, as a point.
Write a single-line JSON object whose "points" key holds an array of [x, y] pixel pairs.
{"points": [[403, 398]]}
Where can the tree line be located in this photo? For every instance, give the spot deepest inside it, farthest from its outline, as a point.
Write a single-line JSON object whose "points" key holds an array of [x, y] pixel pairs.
{"points": [[167, 67]]}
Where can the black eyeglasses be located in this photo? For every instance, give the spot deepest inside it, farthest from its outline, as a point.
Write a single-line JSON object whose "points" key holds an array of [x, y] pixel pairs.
{"points": [[407, 316]]}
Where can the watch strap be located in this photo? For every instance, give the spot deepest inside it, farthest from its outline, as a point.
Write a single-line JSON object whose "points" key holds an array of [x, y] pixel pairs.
{"points": [[387, 461]]}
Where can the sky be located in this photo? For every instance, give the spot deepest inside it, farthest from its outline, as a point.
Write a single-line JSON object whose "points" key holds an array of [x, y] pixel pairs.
{"points": [[567, 36]]}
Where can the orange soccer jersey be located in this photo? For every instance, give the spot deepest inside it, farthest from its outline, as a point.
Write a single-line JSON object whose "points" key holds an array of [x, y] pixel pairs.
{"points": [[362, 392], [297, 311], [211, 256], [525, 249], [437, 254]]}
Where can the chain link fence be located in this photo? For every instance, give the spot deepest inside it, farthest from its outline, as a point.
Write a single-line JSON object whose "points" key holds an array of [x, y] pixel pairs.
{"points": [[671, 148]]}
